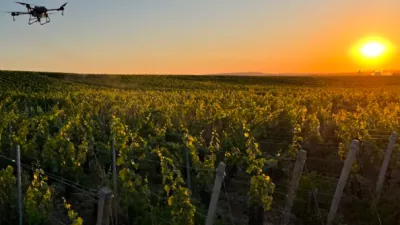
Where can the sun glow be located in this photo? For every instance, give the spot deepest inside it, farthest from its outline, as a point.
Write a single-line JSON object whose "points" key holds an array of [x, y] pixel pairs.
{"points": [[373, 49], [372, 52]]}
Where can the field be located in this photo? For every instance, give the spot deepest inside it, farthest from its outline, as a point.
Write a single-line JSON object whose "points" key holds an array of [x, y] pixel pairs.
{"points": [[65, 125]]}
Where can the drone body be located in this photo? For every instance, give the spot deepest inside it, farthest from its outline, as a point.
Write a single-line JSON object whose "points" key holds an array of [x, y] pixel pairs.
{"points": [[37, 13]]}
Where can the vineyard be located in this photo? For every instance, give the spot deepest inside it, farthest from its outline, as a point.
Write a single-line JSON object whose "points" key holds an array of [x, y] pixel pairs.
{"points": [[170, 134]]}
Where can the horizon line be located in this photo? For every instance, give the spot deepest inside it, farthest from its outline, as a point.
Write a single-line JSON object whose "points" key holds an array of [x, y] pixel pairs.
{"points": [[249, 73]]}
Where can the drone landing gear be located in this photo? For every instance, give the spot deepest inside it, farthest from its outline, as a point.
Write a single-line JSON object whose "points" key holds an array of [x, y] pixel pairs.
{"points": [[47, 21], [33, 20]]}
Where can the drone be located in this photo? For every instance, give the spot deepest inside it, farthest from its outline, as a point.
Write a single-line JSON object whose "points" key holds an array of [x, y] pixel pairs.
{"points": [[36, 13]]}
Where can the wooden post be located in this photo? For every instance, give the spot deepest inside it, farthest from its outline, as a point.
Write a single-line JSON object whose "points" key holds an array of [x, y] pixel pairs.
{"points": [[342, 181], [104, 207], [19, 185], [215, 195], [11, 140], [294, 183], [309, 201], [188, 170], [385, 165], [115, 181], [314, 194]]}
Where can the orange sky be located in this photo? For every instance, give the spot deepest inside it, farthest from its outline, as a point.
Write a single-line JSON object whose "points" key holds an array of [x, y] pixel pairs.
{"points": [[182, 37]]}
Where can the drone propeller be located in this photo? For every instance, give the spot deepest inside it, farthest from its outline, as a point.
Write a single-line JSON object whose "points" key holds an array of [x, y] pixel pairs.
{"points": [[12, 13], [28, 6], [62, 8]]}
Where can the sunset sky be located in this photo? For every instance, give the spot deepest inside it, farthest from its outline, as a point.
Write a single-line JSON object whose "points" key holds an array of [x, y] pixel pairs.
{"points": [[197, 37]]}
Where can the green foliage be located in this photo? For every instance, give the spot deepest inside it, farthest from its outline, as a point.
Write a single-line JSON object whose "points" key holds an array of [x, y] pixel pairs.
{"points": [[182, 210], [261, 188], [72, 215], [68, 126], [8, 196], [38, 200]]}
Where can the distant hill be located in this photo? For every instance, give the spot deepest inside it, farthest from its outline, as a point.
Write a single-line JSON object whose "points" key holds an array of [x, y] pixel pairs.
{"points": [[279, 74], [258, 74], [242, 74], [363, 73]]}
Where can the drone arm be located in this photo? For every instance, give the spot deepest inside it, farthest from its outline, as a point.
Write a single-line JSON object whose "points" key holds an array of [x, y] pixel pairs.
{"points": [[28, 6], [62, 10], [14, 14]]}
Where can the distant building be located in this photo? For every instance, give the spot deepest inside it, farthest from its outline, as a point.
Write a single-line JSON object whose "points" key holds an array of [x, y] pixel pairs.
{"points": [[376, 73], [381, 73]]}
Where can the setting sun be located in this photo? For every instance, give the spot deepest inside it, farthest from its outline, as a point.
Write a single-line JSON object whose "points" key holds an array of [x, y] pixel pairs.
{"points": [[373, 49], [373, 52]]}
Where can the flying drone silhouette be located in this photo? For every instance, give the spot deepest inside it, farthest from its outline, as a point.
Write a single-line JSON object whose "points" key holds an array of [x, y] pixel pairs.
{"points": [[37, 13]]}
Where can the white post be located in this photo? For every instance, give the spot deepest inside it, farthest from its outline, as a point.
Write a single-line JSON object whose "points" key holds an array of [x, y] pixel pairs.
{"points": [[294, 183], [19, 185], [188, 170], [104, 207], [309, 201], [215, 195], [115, 180], [385, 164], [11, 140], [342, 181]]}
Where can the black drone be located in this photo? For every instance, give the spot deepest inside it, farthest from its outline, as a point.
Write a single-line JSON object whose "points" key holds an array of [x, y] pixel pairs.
{"points": [[36, 13]]}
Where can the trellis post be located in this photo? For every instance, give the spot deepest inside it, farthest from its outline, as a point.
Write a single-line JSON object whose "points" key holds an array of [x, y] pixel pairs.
{"points": [[104, 207], [294, 183], [342, 181], [385, 165], [219, 177]]}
